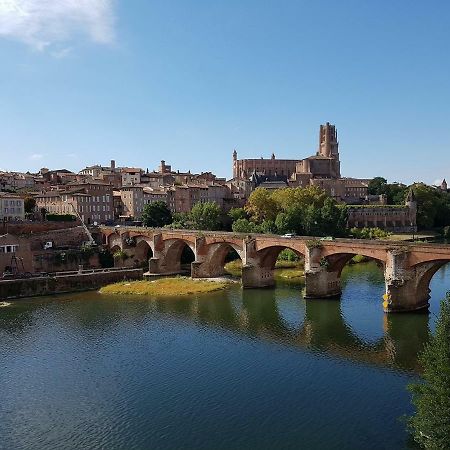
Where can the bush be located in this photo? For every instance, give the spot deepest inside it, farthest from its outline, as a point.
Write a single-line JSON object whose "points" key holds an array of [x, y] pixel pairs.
{"points": [[288, 255], [369, 233]]}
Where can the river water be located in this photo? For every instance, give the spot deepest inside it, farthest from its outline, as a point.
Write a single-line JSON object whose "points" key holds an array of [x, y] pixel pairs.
{"points": [[253, 369]]}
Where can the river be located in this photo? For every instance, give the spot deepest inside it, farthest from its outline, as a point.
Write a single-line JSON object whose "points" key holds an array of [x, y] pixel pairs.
{"points": [[234, 369]]}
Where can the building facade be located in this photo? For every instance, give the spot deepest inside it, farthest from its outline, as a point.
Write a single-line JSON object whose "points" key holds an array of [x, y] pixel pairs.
{"points": [[11, 207]]}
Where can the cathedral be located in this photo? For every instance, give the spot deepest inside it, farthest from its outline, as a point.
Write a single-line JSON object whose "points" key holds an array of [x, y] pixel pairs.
{"points": [[323, 170]]}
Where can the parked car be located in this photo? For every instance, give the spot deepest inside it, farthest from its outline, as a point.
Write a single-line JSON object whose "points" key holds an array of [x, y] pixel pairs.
{"points": [[289, 235]]}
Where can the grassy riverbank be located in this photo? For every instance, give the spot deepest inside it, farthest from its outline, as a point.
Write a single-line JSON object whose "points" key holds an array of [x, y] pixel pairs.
{"points": [[164, 287], [291, 271]]}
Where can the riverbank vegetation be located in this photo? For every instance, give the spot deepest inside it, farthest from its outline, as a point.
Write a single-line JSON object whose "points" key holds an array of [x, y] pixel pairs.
{"points": [[431, 423], [164, 287]]}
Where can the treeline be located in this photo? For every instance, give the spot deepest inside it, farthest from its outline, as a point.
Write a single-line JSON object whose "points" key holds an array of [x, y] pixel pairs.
{"points": [[433, 205], [304, 211]]}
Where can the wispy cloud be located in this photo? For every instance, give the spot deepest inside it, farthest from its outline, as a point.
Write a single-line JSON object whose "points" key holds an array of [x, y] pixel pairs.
{"points": [[36, 156], [43, 23]]}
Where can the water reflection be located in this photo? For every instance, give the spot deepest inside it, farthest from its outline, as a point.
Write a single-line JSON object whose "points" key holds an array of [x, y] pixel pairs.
{"points": [[354, 328]]}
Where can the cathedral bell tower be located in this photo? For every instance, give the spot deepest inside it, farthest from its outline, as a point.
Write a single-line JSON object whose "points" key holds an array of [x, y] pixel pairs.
{"points": [[328, 143]]}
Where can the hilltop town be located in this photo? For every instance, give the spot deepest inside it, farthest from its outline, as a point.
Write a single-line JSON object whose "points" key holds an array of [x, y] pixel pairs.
{"points": [[107, 194]]}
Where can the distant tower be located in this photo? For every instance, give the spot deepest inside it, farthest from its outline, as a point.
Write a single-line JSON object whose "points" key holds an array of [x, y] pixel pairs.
{"points": [[235, 164], [444, 185], [273, 156], [328, 143]]}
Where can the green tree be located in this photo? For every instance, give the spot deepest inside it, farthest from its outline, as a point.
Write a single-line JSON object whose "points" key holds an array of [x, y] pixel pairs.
{"points": [[431, 204], [205, 216], [261, 206], [244, 226], [290, 221], [377, 186], [156, 214], [237, 213], [431, 423], [29, 204]]}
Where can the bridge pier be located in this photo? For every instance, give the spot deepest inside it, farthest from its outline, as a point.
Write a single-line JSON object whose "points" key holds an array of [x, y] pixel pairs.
{"points": [[254, 276], [321, 281], [322, 284], [407, 288]]}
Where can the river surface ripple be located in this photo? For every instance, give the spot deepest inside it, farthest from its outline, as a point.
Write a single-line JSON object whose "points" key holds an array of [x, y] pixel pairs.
{"points": [[233, 369]]}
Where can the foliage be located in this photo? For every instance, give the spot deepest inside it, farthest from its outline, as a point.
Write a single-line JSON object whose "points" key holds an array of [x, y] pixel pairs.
{"points": [[205, 216], [261, 206], [369, 233], [60, 217], [433, 206], [120, 254], [156, 214], [431, 423], [105, 258], [237, 213], [244, 226], [303, 211], [446, 232], [29, 204], [377, 186], [288, 255], [180, 220], [395, 192]]}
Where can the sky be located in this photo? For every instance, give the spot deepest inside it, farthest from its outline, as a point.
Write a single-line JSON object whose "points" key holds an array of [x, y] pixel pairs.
{"points": [[86, 81]]}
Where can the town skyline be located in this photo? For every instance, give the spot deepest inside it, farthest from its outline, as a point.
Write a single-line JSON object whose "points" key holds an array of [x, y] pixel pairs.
{"points": [[92, 81]]}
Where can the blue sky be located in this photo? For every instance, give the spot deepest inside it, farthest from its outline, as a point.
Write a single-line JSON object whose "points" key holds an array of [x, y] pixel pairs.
{"points": [[86, 81]]}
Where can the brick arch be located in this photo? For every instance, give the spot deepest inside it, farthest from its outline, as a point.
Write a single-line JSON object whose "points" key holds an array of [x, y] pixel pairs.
{"points": [[269, 254], [148, 240], [337, 261], [377, 254], [425, 272], [216, 249], [143, 251], [171, 243], [173, 251], [115, 239]]}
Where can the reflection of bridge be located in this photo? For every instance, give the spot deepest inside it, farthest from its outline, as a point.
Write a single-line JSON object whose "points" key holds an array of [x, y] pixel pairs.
{"points": [[408, 267], [321, 326]]}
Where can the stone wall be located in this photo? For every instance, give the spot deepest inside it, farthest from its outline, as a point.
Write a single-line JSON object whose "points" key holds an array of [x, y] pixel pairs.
{"points": [[35, 227], [31, 287]]}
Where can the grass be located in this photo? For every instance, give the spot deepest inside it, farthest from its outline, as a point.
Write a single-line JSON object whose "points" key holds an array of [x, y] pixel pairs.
{"points": [[164, 287], [287, 271]]}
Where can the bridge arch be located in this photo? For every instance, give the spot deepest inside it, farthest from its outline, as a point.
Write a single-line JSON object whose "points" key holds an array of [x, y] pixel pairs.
{"points": [[335, 262], [143, 251], [213, 257], [424, 274], [174, 250], [268, 255]]}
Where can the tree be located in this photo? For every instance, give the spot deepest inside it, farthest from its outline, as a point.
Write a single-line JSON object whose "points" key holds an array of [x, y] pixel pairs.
{"points": [[290, 221], [377, 186], [29, 204], [237, 213], [333, 218], [244, 226], [261, 206], [156, 214], [431, 423], [205, 216]]}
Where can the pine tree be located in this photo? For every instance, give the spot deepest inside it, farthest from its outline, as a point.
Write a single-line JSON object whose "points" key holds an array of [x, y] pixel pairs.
{"points": [[431, 423]]}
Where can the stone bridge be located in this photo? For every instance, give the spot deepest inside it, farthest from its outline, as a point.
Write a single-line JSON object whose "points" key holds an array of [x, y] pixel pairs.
{"points": [[408, 267]]}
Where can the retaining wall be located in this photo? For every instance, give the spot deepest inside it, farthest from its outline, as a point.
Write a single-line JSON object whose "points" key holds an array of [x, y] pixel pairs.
{"points": [[73, 282]]}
